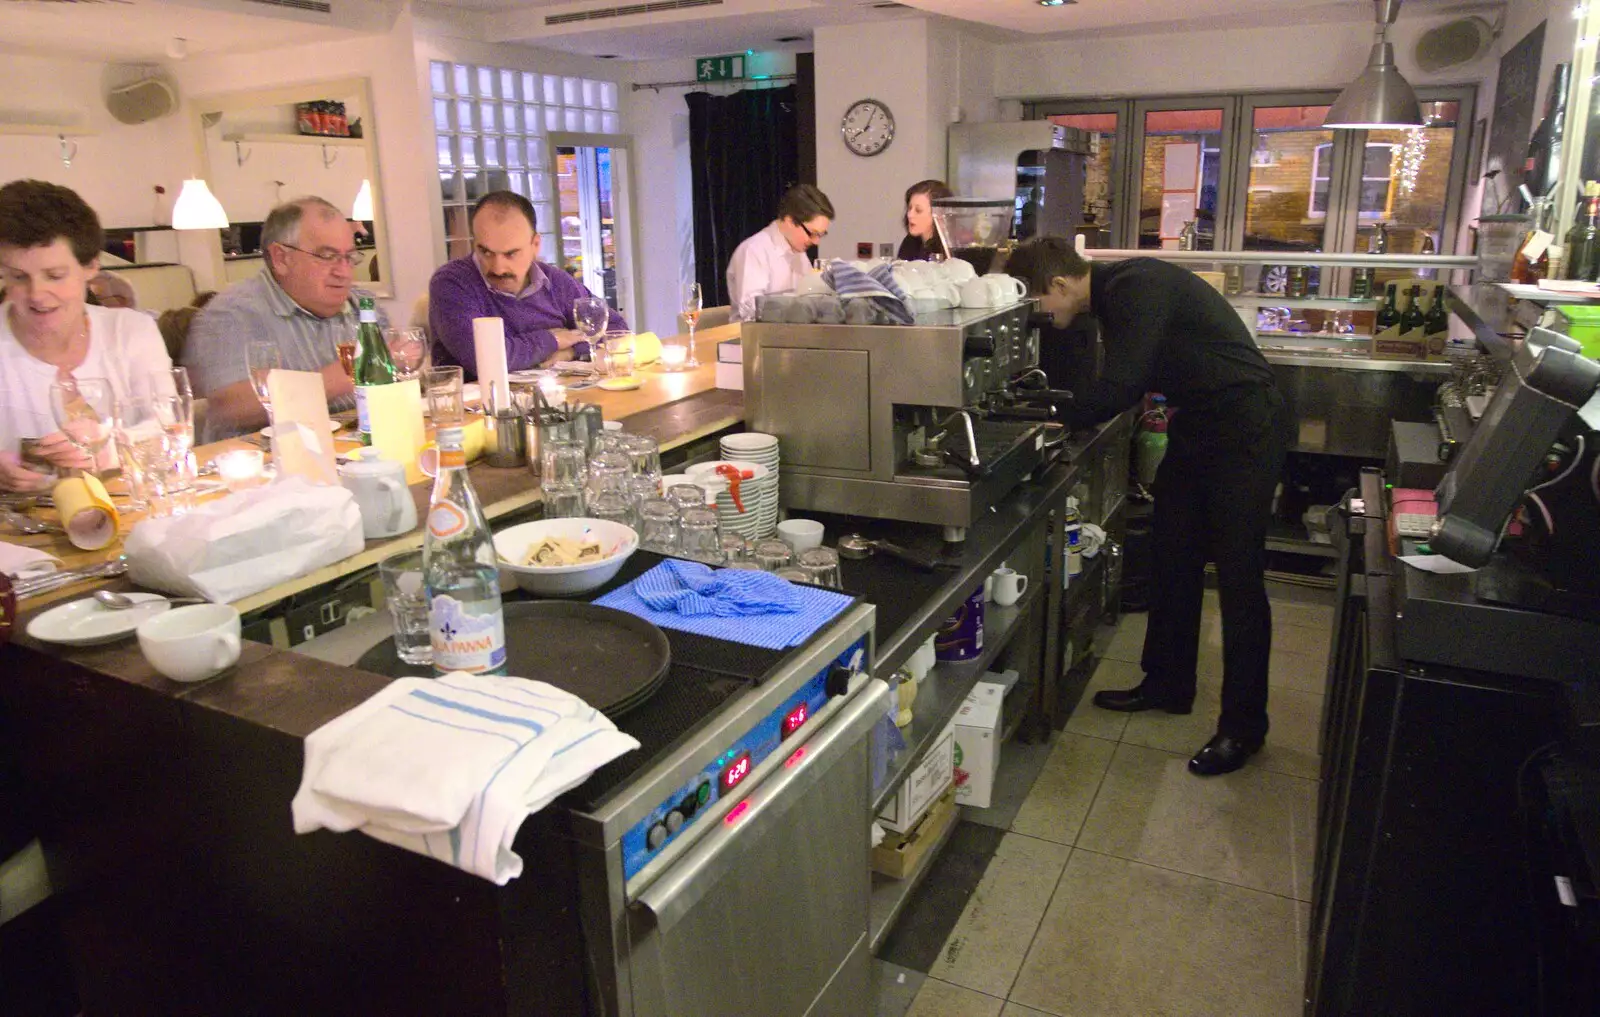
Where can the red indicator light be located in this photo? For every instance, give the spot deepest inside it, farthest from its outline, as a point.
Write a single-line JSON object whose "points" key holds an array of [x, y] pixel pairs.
{"points": [[737, 813], [799, 754], [736, 771]]}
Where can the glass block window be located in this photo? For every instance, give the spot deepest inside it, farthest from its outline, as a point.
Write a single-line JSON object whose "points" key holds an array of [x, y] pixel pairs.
{"points": [[490, 124]]}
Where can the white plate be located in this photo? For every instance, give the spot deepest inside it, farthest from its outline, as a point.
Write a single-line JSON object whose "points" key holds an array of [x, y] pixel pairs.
{"points": [[333, 428], [87, 622]]}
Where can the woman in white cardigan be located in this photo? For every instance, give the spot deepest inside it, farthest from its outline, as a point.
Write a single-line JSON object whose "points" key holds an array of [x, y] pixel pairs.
{"points": [[50, 241]]}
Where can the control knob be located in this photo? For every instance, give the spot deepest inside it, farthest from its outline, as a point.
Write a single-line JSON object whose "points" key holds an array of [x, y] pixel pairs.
{"points": [[656, 837]]}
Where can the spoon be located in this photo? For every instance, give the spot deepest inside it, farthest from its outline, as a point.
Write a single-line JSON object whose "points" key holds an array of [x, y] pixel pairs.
{"points": [[855, 546], [122, 602], [27, 524]]}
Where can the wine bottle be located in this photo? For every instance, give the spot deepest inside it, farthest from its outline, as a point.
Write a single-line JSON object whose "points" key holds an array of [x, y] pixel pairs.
{"points": [[1583, 240], [466, 621], [1437, 320], [373, 365], [1388, 315], [1412, 317], [1363, 280], [1532, 260]]}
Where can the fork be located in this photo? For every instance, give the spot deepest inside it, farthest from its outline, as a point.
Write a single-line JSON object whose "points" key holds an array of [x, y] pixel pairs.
{"points": [[55, 580]]}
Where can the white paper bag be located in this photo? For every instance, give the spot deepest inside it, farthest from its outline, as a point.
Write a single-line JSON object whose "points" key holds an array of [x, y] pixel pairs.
{"points": [[247, 542]]}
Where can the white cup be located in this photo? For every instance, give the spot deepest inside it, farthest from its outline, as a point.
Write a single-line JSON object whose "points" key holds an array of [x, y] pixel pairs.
{"points": [[800, 534], [976, 293], [1009, 586], [922, 660], [1005, 289], [957, 270], [191, 644]]}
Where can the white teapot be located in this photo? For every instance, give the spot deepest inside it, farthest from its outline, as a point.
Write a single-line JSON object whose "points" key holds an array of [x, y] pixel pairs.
{"points": [[379, 486]]}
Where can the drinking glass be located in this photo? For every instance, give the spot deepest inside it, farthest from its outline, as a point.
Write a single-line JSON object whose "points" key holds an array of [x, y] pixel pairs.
{"points": [[609, 471], [590, 315], [408, 606], [771, 555], [409, 348], [821, 566], [563, 465], [613, 506], [693, 304], [347, 347], [85, 410], [644, 455], [793, 573], [735, 548], [445, 402], [643, 489], [143, 444], [687, 496], [171, 396], [263, 358], [658, 526], [698, 537], [564, 502]]}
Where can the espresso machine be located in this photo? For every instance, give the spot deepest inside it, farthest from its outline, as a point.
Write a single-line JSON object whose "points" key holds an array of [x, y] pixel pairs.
{"points": [[928, 423]]}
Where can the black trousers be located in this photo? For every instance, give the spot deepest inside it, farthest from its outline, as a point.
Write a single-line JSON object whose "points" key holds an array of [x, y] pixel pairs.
{"points": [[1213, 499]]}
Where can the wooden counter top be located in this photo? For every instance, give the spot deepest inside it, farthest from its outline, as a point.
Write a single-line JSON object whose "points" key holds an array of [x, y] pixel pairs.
{"points": [[674, 407]]}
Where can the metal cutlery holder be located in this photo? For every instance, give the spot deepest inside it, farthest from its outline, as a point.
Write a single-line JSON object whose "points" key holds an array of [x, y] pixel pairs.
{"points": [[541, 427], [507, 444]]}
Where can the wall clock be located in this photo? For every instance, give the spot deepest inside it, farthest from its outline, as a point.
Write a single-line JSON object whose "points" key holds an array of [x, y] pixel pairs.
{"points": [[868, 127]]}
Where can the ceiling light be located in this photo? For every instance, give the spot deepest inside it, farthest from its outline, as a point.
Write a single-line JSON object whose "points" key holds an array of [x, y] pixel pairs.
{"points": [[789, 38], [198, 209], [1056, 3], [1380, 97]]}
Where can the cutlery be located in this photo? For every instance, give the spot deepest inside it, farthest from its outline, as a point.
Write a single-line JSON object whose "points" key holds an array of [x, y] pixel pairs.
{"points": [[27, 524], [122, 602], [55, 580]]}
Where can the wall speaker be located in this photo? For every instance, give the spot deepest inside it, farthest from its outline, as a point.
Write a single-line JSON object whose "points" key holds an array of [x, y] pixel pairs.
{"points": [[1453, 43], [142, 101]]}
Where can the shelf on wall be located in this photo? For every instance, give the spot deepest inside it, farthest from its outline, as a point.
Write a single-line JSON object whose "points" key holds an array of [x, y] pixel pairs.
{"points": [[47, 130], [297, 139], [1540, 295], [1309, 303]]}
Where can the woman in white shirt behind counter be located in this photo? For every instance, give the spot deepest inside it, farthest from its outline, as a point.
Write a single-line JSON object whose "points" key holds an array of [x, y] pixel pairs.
{"points": [[774, 260], [50, 242]]}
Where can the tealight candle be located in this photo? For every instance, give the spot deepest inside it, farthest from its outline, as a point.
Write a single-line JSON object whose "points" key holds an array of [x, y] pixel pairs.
{"points": [[673, 357], [241, 467], [553, 391]]}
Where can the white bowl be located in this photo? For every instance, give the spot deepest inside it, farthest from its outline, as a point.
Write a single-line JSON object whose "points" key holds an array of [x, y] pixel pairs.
{"points": [[512, 544], [750, 441]]}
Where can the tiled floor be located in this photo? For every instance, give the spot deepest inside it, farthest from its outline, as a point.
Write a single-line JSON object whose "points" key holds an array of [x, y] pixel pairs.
{"points": [[1122, 886]]}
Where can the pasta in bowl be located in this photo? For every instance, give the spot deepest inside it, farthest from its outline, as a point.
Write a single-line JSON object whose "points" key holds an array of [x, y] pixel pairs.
{"points": [[564, 557]]}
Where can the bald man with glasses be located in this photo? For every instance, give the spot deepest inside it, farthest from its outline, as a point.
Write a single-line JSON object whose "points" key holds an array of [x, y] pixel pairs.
{"points": [[303, 300]]}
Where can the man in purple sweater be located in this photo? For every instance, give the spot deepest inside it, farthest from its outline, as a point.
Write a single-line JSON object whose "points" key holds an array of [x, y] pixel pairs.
{"points": [[503, 278]]}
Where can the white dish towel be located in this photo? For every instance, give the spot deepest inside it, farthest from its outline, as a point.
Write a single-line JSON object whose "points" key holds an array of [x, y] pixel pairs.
{"points": [[450, 767]]}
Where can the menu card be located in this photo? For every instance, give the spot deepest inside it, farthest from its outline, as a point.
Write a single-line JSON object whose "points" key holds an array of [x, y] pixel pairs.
{"points": [[398, 431], [302, 435]]}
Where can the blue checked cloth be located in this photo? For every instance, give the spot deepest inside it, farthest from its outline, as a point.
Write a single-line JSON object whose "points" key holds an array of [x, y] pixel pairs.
{"points": [[790, 616], [878, 286]]}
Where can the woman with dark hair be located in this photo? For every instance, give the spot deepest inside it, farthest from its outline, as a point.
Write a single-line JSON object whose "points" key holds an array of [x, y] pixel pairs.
{"points": [[922, 239], [774, 260], [50, 242]]}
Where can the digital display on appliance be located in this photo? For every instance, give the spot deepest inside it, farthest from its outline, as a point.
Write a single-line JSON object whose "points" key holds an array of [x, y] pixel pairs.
{"points": [[794, 718], [735, 772]]}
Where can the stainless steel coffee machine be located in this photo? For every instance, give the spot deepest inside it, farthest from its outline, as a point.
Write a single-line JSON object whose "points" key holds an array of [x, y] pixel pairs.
{"points": [[924, 423]]}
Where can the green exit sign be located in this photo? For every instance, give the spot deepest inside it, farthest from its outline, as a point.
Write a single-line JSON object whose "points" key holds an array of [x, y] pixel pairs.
{"points": [[719, 68]]}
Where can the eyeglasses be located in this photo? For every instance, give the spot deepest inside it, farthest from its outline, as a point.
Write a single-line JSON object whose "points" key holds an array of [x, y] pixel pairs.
{"points": [[815, 235], [351, 258]]}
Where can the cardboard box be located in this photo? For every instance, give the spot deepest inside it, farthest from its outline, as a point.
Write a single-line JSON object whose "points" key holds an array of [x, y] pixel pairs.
{"points": [[929, 779], [977, 744], [900, 854], [1393, 344]]}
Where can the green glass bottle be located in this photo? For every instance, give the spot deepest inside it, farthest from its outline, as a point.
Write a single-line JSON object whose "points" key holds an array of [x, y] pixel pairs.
{"points": [[1437, 320], [374, 366], [1388, 314]]}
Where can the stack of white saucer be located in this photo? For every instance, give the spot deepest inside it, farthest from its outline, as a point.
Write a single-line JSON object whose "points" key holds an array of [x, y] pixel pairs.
{"points": [[762, 450], [746, 515]]}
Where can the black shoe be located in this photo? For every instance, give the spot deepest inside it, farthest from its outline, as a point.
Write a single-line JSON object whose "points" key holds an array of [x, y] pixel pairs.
{"points": [[1137, 700], [1222, 754]]}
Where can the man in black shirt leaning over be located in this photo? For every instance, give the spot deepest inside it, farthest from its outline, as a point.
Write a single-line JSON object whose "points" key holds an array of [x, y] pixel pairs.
{"points": [[1166, 330]]}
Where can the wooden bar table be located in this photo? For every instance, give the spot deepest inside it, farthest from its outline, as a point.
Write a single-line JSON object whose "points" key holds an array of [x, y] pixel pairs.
{"points": [[677, 408]]}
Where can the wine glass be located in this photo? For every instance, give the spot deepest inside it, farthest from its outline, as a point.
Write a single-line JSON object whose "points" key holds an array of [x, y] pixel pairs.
{"points": [[149, 451], [84, 409], [263, 358], [591, 314], [693, 304], [348, 346], [409, 348]]}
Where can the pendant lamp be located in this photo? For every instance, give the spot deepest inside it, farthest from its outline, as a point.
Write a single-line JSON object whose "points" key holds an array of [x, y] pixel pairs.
{"points": [[197, 208], [361, 210], [1380, 97]]}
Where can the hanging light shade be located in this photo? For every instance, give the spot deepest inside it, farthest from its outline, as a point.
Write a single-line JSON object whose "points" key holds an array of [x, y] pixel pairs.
{"points": [[361, 211], [197, 208], [1380, 97]]}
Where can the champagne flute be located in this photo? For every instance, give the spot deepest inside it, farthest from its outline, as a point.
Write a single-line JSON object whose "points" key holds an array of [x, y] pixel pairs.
{"points": [[693, 304], [148, 450], [347, 347], [84, 409], [263, 358]]}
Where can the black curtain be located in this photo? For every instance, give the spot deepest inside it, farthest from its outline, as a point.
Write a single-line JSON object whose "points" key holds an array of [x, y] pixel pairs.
{"points": [[744, 152]]}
